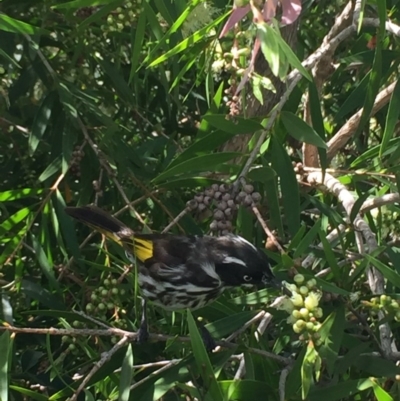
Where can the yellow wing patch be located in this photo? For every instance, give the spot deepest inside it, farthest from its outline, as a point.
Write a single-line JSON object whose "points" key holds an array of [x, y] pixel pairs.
{"points": [[143, 249]]}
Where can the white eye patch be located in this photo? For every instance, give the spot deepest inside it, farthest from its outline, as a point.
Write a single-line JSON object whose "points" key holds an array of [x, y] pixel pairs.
{"points": [[230, 259]]}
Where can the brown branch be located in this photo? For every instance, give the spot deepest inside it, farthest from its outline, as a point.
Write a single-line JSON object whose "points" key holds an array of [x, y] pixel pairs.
{"points": [[375, 278], [132, 336], [339, 140]]}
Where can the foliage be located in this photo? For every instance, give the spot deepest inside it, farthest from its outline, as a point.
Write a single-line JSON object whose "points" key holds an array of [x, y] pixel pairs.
{"points": [[127, 104]]}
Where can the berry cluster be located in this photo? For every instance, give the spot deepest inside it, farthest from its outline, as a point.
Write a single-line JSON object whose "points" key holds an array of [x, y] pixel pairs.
{"points": [[390, 306], [122, 17], [104, 298], [303, 308], [224, 204], [77, 156]]}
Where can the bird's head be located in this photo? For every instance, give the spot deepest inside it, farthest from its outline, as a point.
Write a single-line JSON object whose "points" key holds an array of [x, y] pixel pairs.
{"points": [[240, 263]]}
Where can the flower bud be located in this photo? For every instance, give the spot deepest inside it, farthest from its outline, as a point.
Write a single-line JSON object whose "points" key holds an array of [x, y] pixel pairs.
{"points": [[298, 279], [303, 290]]}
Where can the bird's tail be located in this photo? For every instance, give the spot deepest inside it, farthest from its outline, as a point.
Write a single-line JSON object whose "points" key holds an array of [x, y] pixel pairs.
{"points": [[113, 229]]}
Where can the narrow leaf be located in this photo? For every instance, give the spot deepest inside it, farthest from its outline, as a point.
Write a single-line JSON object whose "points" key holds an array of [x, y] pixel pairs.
{"points": [[392, 118], [300, 130], [203, 361], [126, 375]]}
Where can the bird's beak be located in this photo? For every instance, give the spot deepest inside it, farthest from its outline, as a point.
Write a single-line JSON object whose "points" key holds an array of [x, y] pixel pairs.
{"points": [[279, 284]]}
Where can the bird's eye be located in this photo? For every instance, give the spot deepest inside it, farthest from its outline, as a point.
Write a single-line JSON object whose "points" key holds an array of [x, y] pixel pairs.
{"points": [[247, 278]]}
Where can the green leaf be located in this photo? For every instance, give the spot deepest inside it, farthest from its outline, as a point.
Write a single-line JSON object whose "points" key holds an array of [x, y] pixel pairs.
{"points": [[46, 266], [126, 375], [354, 99], [392, 118], [201, 34], [301, 131], [30, 395], [7, 225], [289, 187], [80, 3], [9, 24], [340, 391], [14, 194], [42, 295], [373, 84], [331, 332], [286, 51], [330, 256], [205, 145], [272, 197], [51, 169], [244, 390], [254, 298], [387, 272], [239, 126], [5, 352], [317, 121], [41, 121], [196, 164], [262, 174], [137, 39], [270, 47], [221, 328], [374, 151], [203, 361], [304, 244], [376, 366], [381, 394], [311, 364]]}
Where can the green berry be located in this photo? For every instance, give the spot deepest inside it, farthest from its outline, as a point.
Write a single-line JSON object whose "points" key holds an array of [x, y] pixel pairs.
{"points": [[300, 324], [303, 290], [304, 312], [104, 293], [71, 347], [101, 306], [90, 307], [114, 291], [107, 282], [310, 326], [64, 339], [311, 283], [110, 305], [93, 296], [298, 279]]}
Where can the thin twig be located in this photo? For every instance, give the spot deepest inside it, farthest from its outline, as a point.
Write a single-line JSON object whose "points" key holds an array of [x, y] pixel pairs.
{"points": [[175, 220], [243, 328], [171, 363], [241, 371], [267, 231], [106, 356], [132, 336]]}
